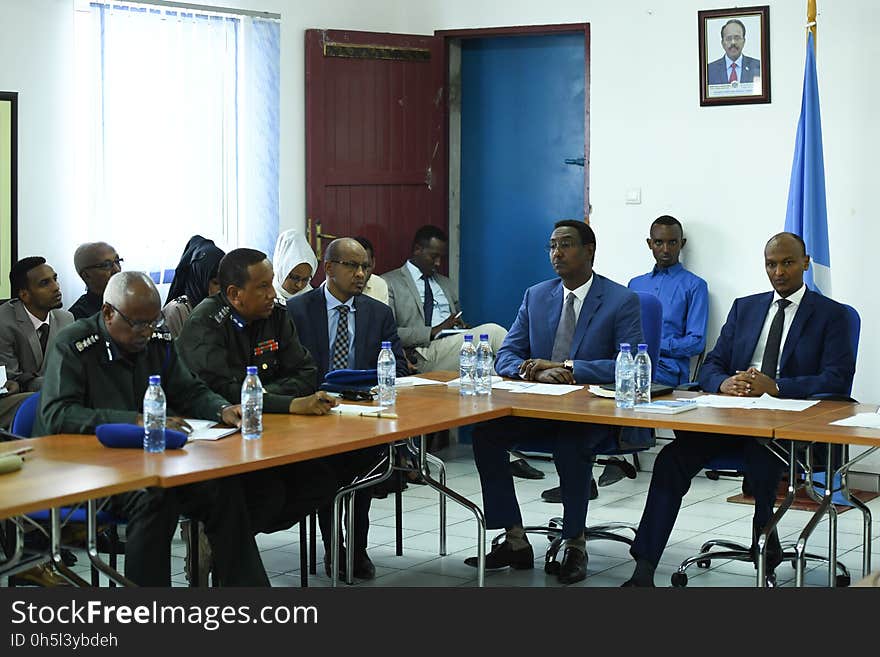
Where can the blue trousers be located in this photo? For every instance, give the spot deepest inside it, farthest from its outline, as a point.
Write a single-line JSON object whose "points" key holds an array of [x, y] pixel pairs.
{"points": [[679, 462], [574, 449]]}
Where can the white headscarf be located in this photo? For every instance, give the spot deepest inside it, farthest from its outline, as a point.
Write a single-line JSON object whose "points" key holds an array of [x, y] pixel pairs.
{"points": [[291, 249]]}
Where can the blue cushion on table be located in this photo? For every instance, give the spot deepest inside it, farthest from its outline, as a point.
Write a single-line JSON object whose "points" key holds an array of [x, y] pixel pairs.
{"points": [[131, 435], [352, 378]]}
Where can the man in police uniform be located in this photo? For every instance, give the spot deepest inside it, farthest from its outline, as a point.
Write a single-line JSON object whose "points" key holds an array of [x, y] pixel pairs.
{"points": [[240, 326], [95, 263], [97, 373]]}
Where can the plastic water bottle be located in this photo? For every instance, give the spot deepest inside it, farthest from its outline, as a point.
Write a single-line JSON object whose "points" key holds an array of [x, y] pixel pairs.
{"points": [[154, 416], [386, 371], [485, 361], [642, 376], [467, 367], [251, 405], [624, 377]]}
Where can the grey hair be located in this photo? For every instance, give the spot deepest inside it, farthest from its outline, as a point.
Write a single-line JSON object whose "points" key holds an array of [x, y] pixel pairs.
{"points": [[125, 284]]}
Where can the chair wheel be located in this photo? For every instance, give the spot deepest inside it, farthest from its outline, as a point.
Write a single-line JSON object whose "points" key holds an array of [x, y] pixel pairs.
{"points": [[552, 567], [704, 563], [712, 475], [843, 580], [679, 580]]}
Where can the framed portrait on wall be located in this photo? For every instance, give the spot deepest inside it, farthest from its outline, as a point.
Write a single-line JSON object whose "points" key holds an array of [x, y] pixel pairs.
{"points": [[734, 55], [8, 187]]}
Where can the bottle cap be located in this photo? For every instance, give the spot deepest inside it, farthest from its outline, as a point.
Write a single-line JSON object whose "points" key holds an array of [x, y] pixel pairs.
{"points": [[625, 346], [251, 369], [468, 338], [155, 380], [643, 347], [484, 336], [386, 344]]}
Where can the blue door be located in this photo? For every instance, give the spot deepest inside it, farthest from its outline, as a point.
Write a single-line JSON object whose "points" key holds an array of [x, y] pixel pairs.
{"points": [[522, 107]]}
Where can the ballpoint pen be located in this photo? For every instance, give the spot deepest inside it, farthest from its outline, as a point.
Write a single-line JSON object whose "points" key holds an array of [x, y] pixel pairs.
{"points": [[387, 414]]}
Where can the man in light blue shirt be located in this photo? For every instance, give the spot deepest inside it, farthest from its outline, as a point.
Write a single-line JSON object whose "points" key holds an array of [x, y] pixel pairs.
{"points": [[685, 299]]}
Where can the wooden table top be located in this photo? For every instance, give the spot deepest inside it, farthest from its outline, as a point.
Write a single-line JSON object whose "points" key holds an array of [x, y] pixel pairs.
{"points": [[819, 429], [64, 469]]}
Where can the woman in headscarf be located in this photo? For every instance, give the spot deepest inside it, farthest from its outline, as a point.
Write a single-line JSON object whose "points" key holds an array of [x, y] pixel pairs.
{"points": [[295, 264], [194, 279]]}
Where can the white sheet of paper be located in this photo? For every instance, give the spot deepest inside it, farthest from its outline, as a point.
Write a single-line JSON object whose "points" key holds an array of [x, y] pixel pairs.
{"points": [[532, 388], [867, 420], [3, 390], [455, 383], [599, 391], [356, 409], [404, 381], [764, 402], [208, 430], [447, 332]]}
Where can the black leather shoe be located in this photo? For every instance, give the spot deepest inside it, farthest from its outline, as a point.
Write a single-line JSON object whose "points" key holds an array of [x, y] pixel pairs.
{"points": [[555, 494], [522, 469], [573, 567], [363, 566], [616, 470], [342, 562], [502, 556], [631, 582]]}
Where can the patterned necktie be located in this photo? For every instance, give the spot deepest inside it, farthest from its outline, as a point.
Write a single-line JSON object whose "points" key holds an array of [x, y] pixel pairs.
{"points": [[733, 77], [565, 331], [428, 305], [340, 344], [44, 337], [770, 360]]}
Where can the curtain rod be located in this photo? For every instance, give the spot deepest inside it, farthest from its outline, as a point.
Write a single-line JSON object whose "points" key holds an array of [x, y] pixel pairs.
{"points": [[219, 10]]}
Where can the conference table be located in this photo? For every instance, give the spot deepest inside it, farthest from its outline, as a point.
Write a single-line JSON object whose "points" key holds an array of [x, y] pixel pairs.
{"points": [[64, 469]]}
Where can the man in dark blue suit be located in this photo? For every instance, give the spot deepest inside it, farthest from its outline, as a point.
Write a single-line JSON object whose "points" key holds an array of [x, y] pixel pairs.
{"points": [[791, 343], [568, 330], [342, 328], [734, 66]]}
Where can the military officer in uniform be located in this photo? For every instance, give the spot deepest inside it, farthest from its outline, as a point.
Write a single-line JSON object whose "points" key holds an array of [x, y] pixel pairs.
{"points": [[97, 373], [240, 326]]}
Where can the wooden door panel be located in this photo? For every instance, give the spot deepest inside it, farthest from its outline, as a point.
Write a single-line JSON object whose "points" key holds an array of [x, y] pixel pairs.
{"points": [[375, 138]]}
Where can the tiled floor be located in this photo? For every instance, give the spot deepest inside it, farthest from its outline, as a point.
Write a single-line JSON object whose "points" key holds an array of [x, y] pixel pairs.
{"points": [[705, 514]]}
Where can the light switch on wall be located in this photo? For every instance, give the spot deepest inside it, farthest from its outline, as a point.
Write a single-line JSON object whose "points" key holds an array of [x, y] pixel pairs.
{"points": [[633, 195]]}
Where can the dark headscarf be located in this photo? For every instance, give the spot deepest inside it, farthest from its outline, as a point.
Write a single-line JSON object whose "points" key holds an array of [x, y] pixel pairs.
{"points": [[196, 268]]}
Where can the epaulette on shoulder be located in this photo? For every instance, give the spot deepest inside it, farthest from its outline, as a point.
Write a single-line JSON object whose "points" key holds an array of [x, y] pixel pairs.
{"points": [[181, 299], [85, 343], [221, 315]]}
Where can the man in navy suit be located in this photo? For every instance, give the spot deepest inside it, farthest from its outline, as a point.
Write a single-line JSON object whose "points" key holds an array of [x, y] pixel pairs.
{"points": [[791, 343], [343, 328], [734, 66], [567, 330]]}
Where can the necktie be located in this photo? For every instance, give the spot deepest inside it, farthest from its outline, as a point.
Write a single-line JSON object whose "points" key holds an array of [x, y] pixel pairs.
{"points": [[770, 360], [340, 344], [733, 77], [565, 331], [428, 305], [44, 337]]}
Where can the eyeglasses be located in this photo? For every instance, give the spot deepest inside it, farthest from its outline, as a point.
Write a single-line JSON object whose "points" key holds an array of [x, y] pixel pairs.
{"points": [[140, 326], [106, 265], [563, 245], [733, 38], [354, 266]]}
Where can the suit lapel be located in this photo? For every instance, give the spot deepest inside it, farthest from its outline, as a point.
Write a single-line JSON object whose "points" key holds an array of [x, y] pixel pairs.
{"points": [[318, 310], [554, 314], [361, 322], [27, 328], [801, 317], [413, 290], [591, 304], [752, 323]]}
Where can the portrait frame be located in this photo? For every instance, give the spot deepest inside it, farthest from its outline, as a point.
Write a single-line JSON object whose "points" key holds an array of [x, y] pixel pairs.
{"points": [[753, 83], [8, 187]]}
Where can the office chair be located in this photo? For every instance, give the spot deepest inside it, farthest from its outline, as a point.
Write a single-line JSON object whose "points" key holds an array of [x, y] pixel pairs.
{"points": [[802, 473], [652, 327], [22, 427]]}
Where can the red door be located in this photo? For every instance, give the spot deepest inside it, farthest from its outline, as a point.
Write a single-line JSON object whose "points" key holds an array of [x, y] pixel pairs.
{"points": [[375, 139]]}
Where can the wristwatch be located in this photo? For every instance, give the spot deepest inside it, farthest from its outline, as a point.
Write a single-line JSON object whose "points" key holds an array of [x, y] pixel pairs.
{"points": [[569, 365]]}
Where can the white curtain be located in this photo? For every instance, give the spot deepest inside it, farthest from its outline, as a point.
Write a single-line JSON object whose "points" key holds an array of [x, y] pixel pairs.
{"points": [[177, 115]]}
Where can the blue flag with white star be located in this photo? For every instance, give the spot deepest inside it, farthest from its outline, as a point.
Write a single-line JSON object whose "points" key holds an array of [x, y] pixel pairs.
{"points": [[807, 214]]}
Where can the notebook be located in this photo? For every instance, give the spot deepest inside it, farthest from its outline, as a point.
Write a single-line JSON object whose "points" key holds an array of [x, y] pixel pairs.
{"points": [[657, 389]]}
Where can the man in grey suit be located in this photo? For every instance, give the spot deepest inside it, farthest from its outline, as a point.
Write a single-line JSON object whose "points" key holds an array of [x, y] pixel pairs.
{"points": [[425, 304], [28, 324]]}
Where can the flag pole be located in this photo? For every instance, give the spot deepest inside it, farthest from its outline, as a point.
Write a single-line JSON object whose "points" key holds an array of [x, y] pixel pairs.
{"points": [[811, 22]]}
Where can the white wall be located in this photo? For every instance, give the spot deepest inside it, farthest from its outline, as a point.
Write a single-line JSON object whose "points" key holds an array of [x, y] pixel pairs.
{"points": [[722, 170]]}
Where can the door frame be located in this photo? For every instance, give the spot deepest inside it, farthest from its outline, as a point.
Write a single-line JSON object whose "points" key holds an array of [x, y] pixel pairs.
{"points": [[449, 36]]}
